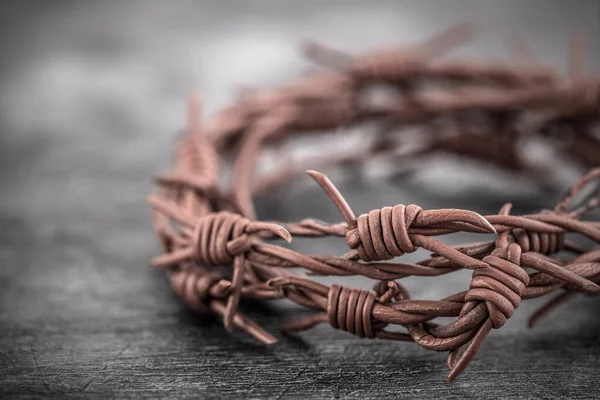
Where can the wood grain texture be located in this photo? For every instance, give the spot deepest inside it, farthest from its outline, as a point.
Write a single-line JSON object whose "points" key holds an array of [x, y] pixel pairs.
{"points": [[80, 317], [89, 98]]}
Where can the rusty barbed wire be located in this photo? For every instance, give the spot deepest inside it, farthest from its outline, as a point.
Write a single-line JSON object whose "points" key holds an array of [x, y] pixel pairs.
{"points": [[216, 252]]}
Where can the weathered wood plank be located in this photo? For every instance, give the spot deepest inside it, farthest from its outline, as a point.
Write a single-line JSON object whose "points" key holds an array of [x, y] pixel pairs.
{"points": [[82, 314]]}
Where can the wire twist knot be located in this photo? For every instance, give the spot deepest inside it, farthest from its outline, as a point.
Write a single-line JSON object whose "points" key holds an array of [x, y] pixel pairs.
{"points": [[220, 237], [349, 309], [193, 286], [500, 285], [540, 242], [383, 234]]}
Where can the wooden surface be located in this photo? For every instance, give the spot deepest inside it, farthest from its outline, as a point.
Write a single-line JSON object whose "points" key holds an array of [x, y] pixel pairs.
{"points": [[86, 120], [83, 314]]}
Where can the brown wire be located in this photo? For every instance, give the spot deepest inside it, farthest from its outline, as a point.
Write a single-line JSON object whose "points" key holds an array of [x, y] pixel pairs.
{"points": [[217, 252]]}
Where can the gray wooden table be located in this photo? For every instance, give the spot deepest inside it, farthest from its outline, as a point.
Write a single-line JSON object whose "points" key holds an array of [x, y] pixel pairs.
{"points": [[90, 95]]}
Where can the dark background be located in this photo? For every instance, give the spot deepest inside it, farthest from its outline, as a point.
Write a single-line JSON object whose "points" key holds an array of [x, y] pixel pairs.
{"points": [[91, 93]]}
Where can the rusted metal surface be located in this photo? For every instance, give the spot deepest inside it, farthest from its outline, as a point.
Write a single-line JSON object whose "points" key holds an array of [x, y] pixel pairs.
{"points": [[205, 225]]}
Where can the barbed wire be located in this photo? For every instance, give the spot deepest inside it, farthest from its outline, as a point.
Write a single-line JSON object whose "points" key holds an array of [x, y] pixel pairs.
{"points": [[203, 223]]}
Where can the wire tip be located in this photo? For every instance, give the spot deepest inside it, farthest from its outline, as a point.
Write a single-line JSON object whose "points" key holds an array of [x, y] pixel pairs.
{"points": [[454, 372], [314, 174], [285, 235], [151, 200], [592, 287], [278, 281], [269, 340], [486, 224], [224, 283]]}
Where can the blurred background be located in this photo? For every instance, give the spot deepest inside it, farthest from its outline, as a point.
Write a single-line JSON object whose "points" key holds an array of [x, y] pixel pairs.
{"points": [[92, 94]]}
